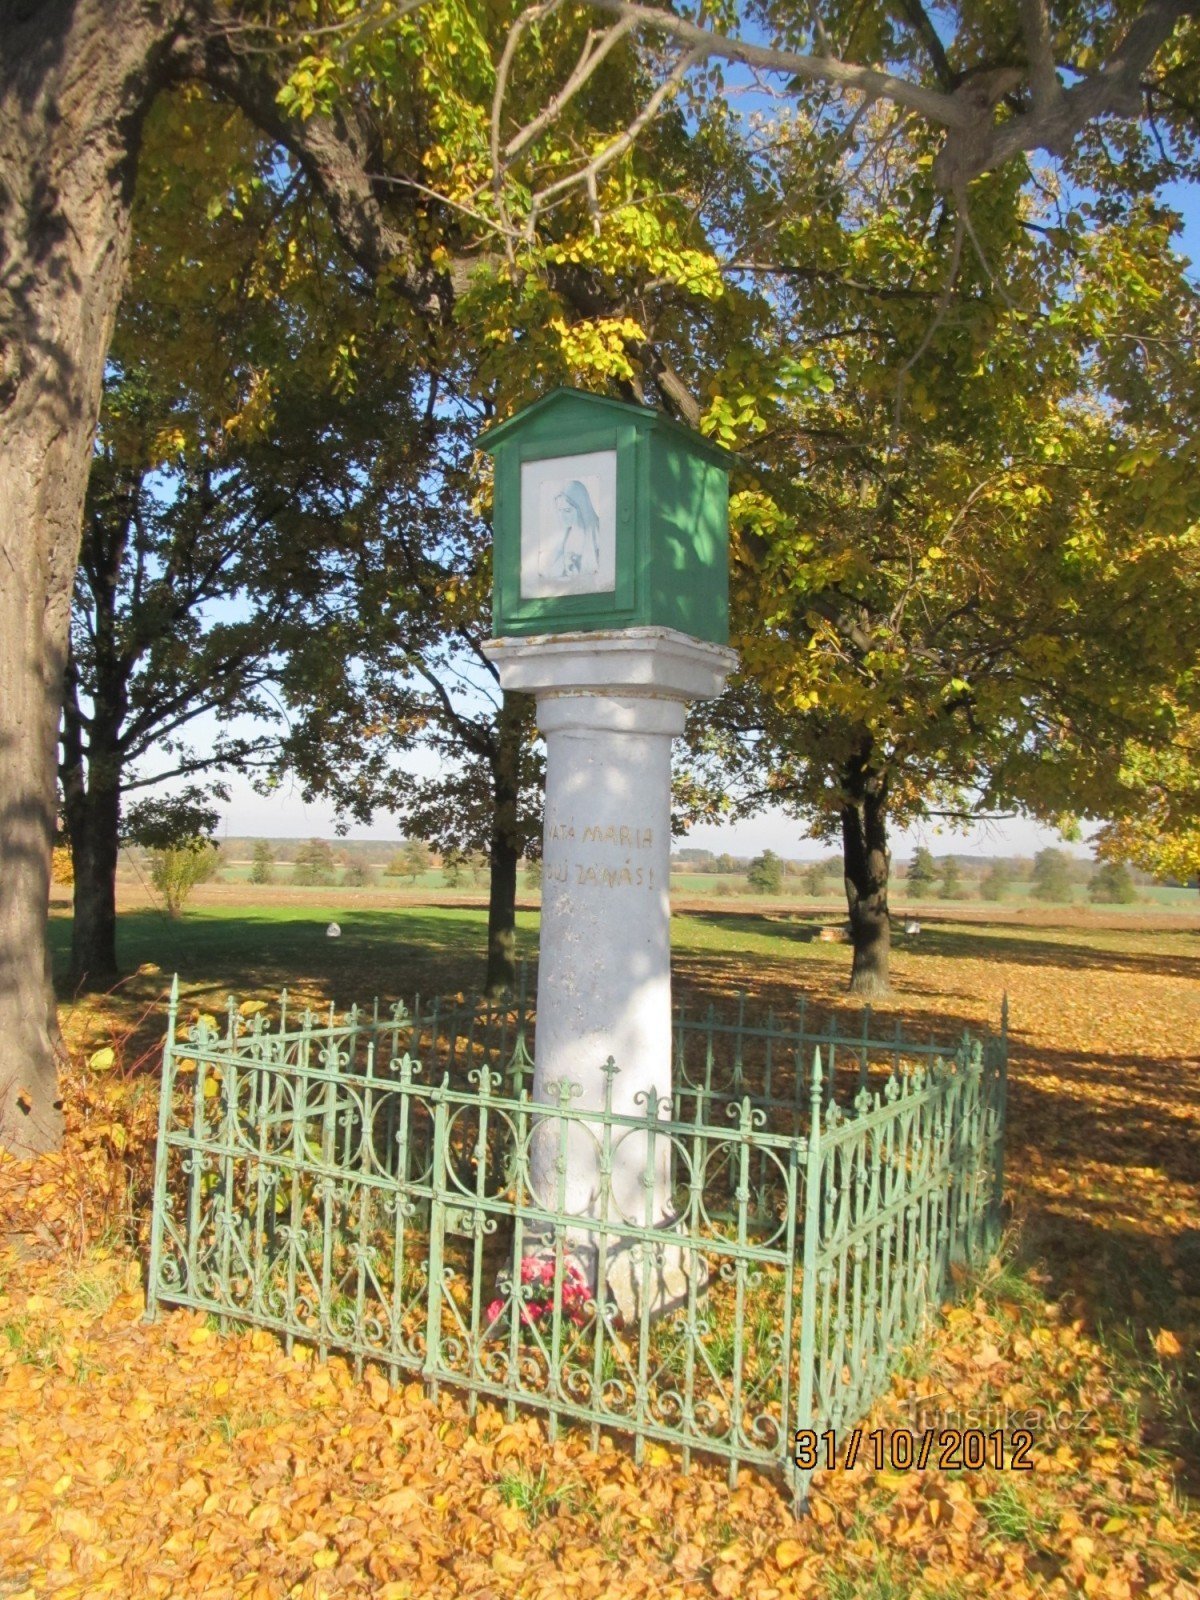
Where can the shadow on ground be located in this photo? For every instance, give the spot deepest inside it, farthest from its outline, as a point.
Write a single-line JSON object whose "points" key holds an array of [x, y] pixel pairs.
{"points": [[997, 940], [377, 953]]}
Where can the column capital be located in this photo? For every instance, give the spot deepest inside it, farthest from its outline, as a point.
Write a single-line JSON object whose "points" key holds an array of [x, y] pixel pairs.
{"points": [[657, 662]]}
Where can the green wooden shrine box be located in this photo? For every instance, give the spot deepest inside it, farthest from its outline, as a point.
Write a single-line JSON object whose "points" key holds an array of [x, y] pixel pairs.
{"points": [[607, 516]]}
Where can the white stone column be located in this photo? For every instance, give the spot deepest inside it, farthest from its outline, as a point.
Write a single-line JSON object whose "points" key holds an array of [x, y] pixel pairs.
{"points": [[608, 706]]}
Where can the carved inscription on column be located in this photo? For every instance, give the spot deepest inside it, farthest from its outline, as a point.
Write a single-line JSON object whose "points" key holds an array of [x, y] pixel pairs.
{"points": [[598, 855]]}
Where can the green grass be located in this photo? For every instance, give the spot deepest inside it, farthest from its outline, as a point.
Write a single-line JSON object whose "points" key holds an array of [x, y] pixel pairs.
{"points": [[1011, 1515], [531, 1492], [1018, 897], [92, 1289], [229, 1424], [718, 886], [393, 951], [31, 1343], [879, 1581]]}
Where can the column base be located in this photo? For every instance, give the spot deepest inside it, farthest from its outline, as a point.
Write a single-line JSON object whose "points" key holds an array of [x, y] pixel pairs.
{"points": [[655, 1273], [659, 1275]]}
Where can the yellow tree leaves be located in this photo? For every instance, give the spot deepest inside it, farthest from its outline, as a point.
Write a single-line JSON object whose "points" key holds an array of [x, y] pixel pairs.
{"points": [[950, 564], [1161, 830]]}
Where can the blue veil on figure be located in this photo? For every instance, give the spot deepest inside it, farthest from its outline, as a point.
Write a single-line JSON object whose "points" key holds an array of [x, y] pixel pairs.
{"points": [[579, 550]]}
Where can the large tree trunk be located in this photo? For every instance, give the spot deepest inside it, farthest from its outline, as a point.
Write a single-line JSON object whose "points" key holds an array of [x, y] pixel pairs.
{"points": [[502, 917], [504, 850], [866, 860], [75, 80], [90, 770], [93, 827]]}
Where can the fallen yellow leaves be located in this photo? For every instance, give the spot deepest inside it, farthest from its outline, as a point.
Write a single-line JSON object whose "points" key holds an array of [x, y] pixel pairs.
{"points": [[788, 1552], [171, 1461], [1167, 1345]]}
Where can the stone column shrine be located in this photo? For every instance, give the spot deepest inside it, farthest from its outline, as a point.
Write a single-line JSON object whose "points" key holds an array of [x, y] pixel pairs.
{"points": [[611, 607]]}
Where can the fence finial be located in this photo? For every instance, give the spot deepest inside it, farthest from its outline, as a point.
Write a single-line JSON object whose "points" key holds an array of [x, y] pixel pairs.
{"points": [[610, 1070]]}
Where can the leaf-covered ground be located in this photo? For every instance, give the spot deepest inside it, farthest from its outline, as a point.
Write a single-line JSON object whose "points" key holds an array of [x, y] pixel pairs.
{"points": [[171, 1460]]}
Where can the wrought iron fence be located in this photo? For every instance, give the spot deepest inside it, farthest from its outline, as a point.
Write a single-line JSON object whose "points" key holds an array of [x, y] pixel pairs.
{"points": [[363, 1183]]}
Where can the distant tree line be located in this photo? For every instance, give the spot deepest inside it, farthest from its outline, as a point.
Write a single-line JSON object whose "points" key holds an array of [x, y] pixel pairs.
{"points": [[1052, 876]]}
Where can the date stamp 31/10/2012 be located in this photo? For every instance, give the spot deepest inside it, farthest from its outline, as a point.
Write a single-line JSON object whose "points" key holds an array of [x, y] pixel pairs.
{"points": [[907, 1450]]}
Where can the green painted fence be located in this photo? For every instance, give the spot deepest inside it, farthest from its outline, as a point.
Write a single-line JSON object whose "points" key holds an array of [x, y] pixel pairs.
{"points": [[362, 1183]]}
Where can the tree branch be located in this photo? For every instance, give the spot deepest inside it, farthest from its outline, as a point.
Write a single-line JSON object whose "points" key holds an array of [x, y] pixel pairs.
{"points": [[1114, 89], [919, 20], [467, 731], [590, 58], [975, 142], [942, 109], [617, 147], [335, 152], [239, 759], [784, 269], [1043, 76]]}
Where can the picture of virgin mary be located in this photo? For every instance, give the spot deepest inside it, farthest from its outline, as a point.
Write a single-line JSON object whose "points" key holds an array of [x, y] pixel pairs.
{"points": [[569, 525], [576, 550]]}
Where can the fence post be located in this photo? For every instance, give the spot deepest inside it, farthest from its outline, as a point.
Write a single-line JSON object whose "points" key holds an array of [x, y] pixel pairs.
{"points": [[195, 1161], [437, 1224], [979, 1156], [745, 1128], [228, 1132], [806, 1386], [997, 1081], [165, 1096]]}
